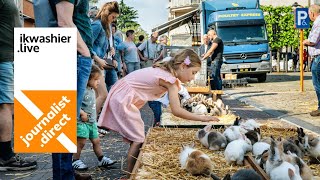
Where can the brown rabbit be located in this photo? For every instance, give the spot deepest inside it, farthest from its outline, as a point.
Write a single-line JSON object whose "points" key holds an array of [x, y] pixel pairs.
{"points": [[195, 161], [199, 163]]}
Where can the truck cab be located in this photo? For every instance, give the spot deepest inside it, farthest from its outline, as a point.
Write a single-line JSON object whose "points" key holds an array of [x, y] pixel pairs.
{"points": [[241, 26]]}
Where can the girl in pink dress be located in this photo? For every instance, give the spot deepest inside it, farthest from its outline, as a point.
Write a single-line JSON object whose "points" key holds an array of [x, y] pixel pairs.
{"points": [[121, 110]]}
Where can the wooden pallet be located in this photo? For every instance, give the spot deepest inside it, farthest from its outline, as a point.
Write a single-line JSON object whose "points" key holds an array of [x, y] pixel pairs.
{"points": [[202, 90], [171, 121]]}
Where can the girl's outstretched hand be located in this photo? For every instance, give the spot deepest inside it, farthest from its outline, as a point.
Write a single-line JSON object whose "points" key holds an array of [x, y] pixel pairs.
{"points": [[209, 118]]}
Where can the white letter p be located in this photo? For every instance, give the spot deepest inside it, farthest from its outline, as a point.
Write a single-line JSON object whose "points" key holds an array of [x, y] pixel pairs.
{"points": [[302, 15]]}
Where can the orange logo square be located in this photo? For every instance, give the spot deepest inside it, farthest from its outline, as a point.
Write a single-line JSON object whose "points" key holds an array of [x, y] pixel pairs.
{"points": [[45, 121]]}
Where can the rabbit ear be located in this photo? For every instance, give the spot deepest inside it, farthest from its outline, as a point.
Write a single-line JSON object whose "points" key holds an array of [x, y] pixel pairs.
{"points": [[236, 122], [272, 137], [302, 133], [243, 136], [257, 130], [298, 130], [207, 128], [183, 147], [192, 145], [291, 173]]}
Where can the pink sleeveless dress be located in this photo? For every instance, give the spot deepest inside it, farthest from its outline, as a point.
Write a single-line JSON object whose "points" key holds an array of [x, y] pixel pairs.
{"points": [[121, 110]]}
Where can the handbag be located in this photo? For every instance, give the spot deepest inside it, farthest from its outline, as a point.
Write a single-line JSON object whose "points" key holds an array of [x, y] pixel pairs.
{"points": [[110, 63]]}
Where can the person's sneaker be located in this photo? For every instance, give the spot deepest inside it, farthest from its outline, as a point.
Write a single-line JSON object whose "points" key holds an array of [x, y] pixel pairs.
{"points": [[79, 165], [315, 113], [17, 163], [106, 162]]}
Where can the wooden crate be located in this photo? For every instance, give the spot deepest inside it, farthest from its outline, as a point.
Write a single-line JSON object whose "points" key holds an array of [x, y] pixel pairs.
{"points": [[203, 90], [159, 156]]}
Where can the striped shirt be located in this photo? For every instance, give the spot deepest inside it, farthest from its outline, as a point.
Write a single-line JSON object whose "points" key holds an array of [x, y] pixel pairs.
{"points": [[314, 37]]}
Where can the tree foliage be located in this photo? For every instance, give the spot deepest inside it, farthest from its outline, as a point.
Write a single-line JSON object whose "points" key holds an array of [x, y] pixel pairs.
{"points": [[280, 27], [128, 16], [127, 20]]}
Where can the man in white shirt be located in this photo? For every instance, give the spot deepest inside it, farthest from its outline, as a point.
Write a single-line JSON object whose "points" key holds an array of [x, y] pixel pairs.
{"points": [[313, 43]]}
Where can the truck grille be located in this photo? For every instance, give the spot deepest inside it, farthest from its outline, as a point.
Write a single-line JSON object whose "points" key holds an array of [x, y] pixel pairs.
{"points": [[242, 56]]}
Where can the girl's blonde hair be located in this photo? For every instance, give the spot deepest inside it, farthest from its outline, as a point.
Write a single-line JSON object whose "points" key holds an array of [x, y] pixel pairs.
{"points": [[181, 57], [105, 11]]}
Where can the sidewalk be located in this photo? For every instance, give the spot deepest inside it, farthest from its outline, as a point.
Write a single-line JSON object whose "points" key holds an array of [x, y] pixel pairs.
{"points": [[280, 96]]}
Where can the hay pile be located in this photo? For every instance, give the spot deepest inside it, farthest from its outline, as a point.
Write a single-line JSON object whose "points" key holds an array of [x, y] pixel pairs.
{"points": [[160, 158], [160, 153]]}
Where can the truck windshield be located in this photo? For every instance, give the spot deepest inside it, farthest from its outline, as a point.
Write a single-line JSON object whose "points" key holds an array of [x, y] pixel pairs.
{"points": [[242, 33]]}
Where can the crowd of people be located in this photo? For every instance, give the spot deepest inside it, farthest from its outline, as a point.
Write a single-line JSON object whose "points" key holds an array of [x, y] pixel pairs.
{"points": [[116, 77]]}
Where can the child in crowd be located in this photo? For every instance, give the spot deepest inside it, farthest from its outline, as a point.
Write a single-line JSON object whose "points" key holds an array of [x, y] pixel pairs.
{"points": [[87, 125], [121, 109]]}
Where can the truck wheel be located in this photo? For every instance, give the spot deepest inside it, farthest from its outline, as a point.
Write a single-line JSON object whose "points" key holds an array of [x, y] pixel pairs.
{"points": [[262, 78]]}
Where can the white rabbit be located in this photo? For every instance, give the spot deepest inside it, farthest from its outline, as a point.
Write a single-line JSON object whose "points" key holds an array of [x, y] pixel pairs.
{"points": [[199, 109], [249, 124], [259, 147], [212, 140], [236, 149], [234, 132], [258, 150], [278, 173]]}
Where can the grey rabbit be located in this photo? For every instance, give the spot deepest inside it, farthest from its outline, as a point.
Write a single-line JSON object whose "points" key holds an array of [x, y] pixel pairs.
{"points": [[211, 140], [244, 174], [289, 145]]}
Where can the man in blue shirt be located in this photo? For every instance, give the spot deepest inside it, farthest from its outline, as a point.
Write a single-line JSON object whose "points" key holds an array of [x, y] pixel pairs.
{"points": [[130, 52]]}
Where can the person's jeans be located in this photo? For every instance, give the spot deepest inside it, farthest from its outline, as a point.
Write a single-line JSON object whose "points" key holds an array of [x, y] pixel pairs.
{"points": [[146, 64], [157, 111], [216, 82], [315, 69], [84, 65], [111, 78], [62, 166], [117, 56], [6, 82], [62, 162], [132, 66]]}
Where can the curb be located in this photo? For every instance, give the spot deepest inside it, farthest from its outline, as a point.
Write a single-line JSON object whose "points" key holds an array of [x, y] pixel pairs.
{"points": [[275, 113]]}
